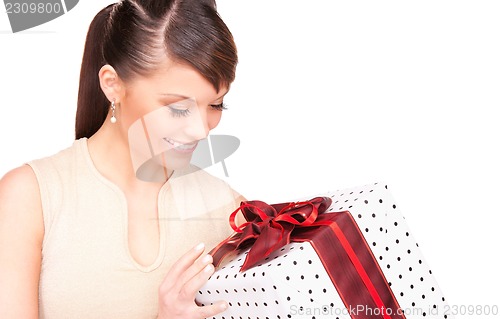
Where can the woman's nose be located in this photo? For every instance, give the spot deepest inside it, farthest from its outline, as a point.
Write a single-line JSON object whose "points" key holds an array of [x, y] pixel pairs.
{"points": [[198, 126]]}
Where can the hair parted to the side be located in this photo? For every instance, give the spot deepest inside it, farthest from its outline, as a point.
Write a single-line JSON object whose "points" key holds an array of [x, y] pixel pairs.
{"points": [[135, 37]]}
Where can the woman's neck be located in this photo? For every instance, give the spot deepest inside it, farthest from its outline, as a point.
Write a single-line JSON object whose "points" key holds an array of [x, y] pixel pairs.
{"points": [[110, 152]]}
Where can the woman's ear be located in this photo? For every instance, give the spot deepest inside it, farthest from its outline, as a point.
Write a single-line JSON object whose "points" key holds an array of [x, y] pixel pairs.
{"points": [[111, 84]]}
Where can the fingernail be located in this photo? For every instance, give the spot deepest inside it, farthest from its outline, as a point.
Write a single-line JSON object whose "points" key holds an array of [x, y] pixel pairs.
{"points": [[200, 246], [223, 306], [208, 268], [206, 259]]}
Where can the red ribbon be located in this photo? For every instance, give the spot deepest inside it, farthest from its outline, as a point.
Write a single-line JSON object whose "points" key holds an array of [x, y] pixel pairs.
{"points": [[340, 246], [268, 227]]}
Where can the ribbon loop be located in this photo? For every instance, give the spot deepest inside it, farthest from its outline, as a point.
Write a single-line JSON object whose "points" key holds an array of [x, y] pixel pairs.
{"points": [[268, 227]]}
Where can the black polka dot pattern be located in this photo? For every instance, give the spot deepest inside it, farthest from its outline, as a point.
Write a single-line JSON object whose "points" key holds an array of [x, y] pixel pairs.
{"points": [[395, 249], [280, 288], [292, 283]]}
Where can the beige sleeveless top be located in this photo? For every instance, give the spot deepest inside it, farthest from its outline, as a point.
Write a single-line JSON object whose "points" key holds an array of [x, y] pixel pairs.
{"points": [[87, 269]]}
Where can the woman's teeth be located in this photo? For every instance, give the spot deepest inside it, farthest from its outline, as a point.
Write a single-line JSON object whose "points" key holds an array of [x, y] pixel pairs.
{"points": [[180, 146]]}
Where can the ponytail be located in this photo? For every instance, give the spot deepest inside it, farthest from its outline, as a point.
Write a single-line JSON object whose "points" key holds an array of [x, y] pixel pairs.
{"points": [[92, 105]]}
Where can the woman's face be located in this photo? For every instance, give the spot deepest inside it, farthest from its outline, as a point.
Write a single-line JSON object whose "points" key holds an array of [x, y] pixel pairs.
{"points": [[165, 116]]}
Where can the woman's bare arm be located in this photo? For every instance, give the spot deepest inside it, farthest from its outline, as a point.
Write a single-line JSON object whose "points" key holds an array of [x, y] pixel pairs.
{"points": [[21, 235]]}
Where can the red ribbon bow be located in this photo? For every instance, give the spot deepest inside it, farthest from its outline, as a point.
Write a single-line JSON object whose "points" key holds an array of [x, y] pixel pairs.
{"points": [[269, 227]]}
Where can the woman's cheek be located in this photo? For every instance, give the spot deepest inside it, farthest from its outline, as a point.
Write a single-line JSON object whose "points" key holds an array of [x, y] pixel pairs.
{"points": [[214, 118]]}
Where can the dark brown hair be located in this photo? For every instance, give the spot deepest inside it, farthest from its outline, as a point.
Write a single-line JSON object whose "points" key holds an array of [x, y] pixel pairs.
{"points": [[135, 37]]}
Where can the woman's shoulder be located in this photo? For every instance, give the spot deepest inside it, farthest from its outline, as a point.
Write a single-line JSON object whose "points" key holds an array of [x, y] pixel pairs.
{"points": [[19, 188], [63, 157], [24, 186], [25, 190], [20, 198], [17, 179]]}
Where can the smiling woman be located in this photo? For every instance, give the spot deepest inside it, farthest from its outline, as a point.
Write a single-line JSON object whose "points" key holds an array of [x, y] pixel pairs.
{"points": [[105, 227]]}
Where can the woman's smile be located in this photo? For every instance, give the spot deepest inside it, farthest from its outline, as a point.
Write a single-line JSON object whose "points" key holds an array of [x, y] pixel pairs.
{"points": [[181, 147]]}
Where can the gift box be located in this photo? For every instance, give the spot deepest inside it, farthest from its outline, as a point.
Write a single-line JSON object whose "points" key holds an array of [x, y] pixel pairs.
{"points": [[344, 254]]}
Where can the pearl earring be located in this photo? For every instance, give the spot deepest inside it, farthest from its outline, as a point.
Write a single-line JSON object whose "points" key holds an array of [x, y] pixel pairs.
{"points": [[113, 117]]}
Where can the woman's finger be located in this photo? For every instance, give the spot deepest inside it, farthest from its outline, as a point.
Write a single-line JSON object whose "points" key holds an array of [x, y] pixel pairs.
{"points": [[191, 272], [191, 287], [212, 310], [182, 265]]}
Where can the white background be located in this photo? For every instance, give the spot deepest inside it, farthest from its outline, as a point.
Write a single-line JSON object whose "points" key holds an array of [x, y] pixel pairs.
{"points": [[328, 95]]}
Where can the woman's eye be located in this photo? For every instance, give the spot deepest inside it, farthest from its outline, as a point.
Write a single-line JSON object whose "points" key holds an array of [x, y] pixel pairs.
{"points": [[219, 107], [179, 112]]}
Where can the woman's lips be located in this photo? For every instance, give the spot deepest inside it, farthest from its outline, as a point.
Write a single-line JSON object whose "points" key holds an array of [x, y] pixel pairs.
{"points": [[181, 147]]}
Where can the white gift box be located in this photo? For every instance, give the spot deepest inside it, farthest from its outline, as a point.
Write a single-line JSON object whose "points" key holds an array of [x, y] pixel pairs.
{"points": [[293, 283]]}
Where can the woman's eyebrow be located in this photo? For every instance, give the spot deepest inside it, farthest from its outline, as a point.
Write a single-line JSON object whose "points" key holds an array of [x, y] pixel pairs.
{"points": [[187, 97], [175, 95]]}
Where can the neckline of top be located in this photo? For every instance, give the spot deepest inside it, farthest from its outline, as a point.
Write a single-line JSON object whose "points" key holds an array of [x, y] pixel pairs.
{"points": [[83, 146], [83, 143]]}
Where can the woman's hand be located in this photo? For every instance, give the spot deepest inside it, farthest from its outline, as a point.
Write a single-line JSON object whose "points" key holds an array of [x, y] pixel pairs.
{"points": [[183, 281]]}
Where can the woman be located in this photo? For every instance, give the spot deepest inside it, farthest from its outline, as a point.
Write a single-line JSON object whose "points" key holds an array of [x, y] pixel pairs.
{"points": [[104, 229]]}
